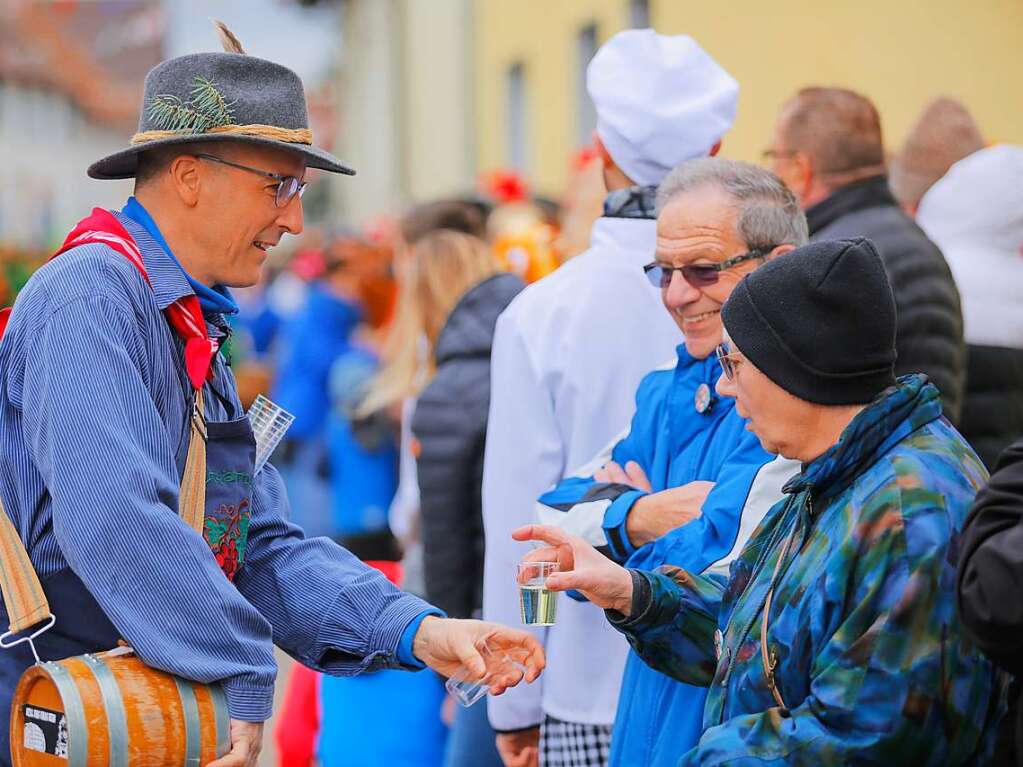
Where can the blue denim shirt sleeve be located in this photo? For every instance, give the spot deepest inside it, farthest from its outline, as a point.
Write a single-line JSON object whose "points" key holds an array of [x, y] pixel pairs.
{"points": [[329, 610]]}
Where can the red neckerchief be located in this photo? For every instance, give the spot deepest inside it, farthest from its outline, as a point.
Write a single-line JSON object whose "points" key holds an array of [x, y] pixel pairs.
{"points": [[184, 315]]}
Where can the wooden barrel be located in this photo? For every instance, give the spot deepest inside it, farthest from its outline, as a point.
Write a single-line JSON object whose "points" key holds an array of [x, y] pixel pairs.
{"points": [[111, 710]]}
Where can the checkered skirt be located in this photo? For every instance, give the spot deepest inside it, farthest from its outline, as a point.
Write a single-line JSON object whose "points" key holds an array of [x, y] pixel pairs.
{"points": [[567, 744]]}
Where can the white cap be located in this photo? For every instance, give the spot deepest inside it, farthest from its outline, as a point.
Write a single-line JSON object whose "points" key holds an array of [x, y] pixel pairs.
{"points": [[660, 100]]}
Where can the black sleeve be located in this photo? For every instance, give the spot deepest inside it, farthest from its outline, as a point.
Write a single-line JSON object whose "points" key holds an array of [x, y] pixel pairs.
{"points": [[929, 331], [990, 577], [450, 425]]}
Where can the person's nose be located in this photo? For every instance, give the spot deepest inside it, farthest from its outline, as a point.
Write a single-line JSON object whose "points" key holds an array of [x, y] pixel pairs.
{"points": [[291, 217], [725, 386], [679, 292]]}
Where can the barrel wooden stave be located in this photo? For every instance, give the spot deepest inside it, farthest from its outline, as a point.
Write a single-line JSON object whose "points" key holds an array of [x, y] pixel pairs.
{"points": [[151, 722]]}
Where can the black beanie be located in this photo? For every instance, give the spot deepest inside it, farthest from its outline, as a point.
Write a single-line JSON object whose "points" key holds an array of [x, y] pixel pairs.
{"points": [[819, 322]]}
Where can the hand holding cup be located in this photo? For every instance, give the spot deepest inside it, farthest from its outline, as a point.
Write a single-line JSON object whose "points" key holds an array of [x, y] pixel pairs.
{"points": [[580, 567]]}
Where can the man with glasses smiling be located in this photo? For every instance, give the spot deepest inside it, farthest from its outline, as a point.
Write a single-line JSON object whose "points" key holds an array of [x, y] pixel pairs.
{"points": [[126, 460], [686, 483]]}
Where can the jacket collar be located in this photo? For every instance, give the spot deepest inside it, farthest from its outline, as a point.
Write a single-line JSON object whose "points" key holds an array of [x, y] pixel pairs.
{"points": [[632, 238], [633, 202], [868, 193], [893, 415]]}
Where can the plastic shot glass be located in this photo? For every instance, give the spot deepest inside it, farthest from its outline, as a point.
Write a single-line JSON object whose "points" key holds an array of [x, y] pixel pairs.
{"points": [[538, 606], [467, 689], [269, 423]]}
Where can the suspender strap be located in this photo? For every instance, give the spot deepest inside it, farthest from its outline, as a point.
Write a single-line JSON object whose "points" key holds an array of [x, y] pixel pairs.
{"points": [[192, 496], [23, 594]]}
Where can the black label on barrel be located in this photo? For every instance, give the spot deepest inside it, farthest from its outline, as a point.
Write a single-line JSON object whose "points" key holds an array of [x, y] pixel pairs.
{"points": [[45, 731]]}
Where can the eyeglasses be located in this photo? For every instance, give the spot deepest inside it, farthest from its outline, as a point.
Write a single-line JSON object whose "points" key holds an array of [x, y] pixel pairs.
{"points": [[287, 186], [698, 275], [729, 361]]}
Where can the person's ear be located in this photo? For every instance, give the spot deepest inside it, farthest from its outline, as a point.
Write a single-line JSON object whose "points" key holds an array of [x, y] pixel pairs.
{"points": [[802, 173], [780, 250], [186, 173]]}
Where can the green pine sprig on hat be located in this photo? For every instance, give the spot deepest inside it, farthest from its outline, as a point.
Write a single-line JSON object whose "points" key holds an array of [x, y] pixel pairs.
{"points": [[206, 109]]}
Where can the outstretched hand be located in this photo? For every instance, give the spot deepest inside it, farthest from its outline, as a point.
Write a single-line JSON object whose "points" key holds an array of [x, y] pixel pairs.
{"points": [[581, 567], [446, 645]]}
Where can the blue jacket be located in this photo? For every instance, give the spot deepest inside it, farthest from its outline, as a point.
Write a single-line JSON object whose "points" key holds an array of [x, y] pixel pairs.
{"points": [[658, 718]]}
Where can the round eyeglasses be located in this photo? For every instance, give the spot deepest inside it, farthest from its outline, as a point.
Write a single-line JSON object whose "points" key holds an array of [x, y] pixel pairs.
{"points": [[698, 275], [729, 361], [287, 186]]}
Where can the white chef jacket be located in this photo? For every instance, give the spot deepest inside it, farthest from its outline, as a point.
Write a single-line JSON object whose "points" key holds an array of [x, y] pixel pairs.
{"points": [[568, 356]]}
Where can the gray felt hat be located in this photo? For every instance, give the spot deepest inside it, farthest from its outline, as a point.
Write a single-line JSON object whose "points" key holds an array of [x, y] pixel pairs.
{"points": [[220, 97]]}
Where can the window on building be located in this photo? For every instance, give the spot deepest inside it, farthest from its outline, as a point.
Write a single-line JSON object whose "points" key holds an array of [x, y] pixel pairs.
{"points": [[518, 122], [639, 14], [586, 114]]}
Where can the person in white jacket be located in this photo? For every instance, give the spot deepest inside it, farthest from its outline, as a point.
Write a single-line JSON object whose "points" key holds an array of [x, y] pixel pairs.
{"points": [[568, 355]]}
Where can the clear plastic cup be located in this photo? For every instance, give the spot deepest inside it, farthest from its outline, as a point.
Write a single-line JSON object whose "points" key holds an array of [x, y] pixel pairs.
{"points": [[468, 689], [269, 423], [537, 605]]}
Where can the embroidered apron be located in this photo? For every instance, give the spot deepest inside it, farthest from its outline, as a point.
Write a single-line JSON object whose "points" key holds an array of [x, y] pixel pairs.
{"points": [[230, 461], [230, 449]]}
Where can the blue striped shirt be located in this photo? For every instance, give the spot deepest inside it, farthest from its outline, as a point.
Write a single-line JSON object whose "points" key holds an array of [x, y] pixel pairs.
{"points": [[93, 433]]}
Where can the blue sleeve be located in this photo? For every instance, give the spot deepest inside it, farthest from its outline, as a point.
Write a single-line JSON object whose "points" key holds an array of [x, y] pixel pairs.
{"points": [[674, 632], [597, 511], [115, 509], [405, 655], [328, 610], [710, 536]]}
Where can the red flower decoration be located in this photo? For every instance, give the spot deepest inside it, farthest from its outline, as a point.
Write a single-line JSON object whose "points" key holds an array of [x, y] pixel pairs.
{"points": [[505, 186]]}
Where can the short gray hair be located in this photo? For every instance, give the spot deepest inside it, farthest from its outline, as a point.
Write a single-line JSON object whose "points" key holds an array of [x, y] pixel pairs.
{"points": [[768, 213]]}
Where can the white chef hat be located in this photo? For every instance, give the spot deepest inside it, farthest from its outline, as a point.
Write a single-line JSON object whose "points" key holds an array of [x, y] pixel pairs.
{"points": [[660, 100]]}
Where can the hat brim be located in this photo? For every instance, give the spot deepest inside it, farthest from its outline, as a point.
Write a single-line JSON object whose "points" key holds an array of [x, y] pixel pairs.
{"points": [[124, 164]]}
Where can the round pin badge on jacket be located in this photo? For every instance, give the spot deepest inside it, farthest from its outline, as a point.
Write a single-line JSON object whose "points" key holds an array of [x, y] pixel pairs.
{"points": [[702, 400]]}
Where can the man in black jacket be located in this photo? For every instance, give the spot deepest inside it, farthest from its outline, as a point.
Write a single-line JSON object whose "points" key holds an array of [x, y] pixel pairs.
{"points": [[990, 579], [827, 148]]}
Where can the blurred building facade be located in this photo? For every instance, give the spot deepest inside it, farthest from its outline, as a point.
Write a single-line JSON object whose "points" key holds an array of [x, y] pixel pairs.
{"points": [[405, 95], [530, 104], [70, 82]]}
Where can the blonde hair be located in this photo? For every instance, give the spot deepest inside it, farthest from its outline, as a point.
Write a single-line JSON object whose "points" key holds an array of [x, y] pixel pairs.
{"points": [[444, 265]]}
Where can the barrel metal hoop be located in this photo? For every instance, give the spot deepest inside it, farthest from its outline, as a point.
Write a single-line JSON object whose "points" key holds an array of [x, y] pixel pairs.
{"points": [[190, 712], [223, 720], [78, 735], [113, 702]]}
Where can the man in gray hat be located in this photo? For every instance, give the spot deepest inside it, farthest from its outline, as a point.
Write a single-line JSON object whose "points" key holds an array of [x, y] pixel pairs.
{"points": [[126, 462]]}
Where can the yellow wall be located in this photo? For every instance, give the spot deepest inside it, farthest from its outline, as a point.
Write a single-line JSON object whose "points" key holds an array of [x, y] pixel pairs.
{"points": [[901, 53]]}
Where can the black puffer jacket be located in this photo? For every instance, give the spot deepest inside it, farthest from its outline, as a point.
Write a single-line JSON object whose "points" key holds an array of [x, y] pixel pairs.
{"points": [[990, 581], [993, 409], [450, 424], [929, 334]]}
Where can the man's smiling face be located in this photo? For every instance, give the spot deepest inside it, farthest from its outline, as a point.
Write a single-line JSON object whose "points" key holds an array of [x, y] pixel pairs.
{"points": [[242, 219], [699, 227]]}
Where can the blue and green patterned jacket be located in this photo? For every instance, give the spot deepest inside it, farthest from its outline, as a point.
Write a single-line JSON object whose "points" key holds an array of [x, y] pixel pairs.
{"points": [[872, 663]]}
